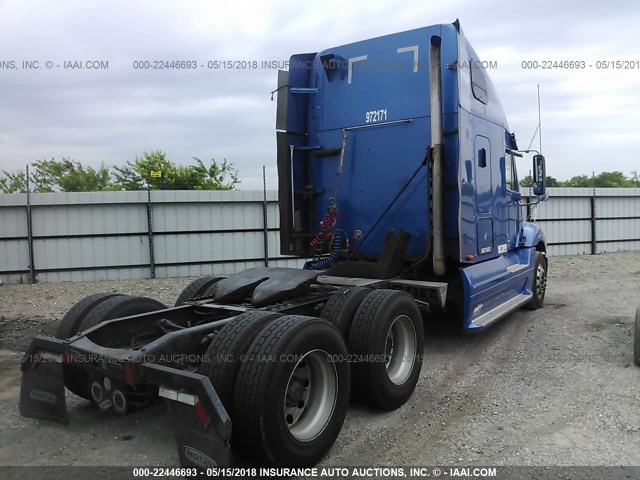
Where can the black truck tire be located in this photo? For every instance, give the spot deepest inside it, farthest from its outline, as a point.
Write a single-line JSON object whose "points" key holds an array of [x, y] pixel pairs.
{"points": [[121, 306], [292, 392], [75, 379], [539, 283], [223, 356], [636, 339], [68, 326], [195, 289], [107, 308], [387, 342], [342, 306]]}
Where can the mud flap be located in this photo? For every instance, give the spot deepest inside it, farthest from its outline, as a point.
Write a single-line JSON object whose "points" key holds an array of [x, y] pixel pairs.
{"points": [[202, 427], [42, 393], [198, 446]]}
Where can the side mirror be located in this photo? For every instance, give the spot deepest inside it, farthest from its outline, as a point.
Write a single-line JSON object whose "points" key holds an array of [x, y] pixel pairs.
{"points": [[539, 175]]}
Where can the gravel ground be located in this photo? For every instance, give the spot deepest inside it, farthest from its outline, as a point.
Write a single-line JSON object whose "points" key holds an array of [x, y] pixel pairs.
{"points": [[555, 386]]}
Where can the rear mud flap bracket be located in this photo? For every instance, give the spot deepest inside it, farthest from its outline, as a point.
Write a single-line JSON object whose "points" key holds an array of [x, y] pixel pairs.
{"points": [[201, 425]]}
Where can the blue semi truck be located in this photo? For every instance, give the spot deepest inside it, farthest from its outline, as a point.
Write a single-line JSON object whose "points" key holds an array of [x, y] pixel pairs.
{"points": [[397, 181]]}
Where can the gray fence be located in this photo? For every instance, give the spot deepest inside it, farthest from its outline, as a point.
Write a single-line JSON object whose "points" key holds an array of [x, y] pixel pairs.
{"points": [[119, 235], [579, 221]]}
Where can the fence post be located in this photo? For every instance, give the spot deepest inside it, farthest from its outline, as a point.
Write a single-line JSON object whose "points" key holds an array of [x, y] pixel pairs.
{"points": [[594, 238], [265, 231], [32, 265], [152, 262]]}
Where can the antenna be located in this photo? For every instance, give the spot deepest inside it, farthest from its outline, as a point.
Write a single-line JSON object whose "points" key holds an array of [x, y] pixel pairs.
{"points": [[538, 128], [539, 121]]}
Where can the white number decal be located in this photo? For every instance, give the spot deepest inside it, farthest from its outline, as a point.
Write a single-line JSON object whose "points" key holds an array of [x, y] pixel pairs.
{"points": [[374, 116]]}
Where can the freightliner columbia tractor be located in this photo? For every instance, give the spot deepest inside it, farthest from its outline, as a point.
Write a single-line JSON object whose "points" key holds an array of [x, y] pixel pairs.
{"points": [[397, 182]]}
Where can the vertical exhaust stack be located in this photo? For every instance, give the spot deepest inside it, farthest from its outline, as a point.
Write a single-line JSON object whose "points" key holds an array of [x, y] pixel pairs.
{"points": [[437, 204]]}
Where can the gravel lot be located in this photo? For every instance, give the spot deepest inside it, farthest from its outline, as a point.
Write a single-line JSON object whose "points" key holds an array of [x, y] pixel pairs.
{"points": [[552, 387]]}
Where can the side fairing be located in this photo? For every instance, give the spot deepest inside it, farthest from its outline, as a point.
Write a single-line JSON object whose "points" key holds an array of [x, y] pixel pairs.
{"points": [[488, 212]]}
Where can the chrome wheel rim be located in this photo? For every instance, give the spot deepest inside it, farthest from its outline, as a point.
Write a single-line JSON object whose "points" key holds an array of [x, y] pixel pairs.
{"points": [[400, 349], [310, 395]]}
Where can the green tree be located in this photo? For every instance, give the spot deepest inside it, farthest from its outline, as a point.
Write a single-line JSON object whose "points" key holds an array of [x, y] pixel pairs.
{"points": [[13, 182], [579, 181], [553, 182], [602, 180], [68, 175], [137, 174], [613, 179], [134, 175], [528, 182]]}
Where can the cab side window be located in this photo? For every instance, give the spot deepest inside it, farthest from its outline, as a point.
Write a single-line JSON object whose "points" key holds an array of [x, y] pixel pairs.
{"points": [[478, 81]]}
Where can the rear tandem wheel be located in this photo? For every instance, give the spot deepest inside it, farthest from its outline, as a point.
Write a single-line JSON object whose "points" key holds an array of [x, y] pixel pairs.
{"points": [[121, 306], [195, 289], [342, 306], [74, 378], [292, 393], [90, 312], [68, 326], [386, 342], [224, 355]]}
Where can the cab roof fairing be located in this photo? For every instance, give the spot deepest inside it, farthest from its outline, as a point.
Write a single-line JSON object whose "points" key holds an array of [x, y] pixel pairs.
{"points": [[493, 109]]}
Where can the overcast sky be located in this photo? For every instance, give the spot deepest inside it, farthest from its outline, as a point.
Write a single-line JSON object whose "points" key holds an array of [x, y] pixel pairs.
{"points": [[590, 117]]}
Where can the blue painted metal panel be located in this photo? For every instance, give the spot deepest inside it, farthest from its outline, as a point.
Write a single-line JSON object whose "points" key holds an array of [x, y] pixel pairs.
{"points": [[488, 213], [489, 284], [373, 99], [531, 235]]}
